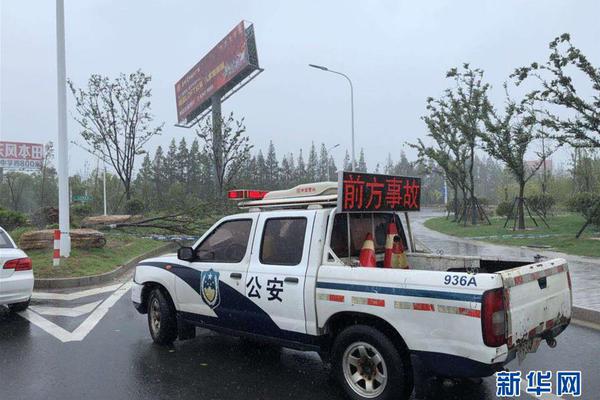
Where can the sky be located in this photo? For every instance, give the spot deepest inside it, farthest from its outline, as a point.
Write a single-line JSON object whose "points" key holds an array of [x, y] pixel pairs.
{"points": [[395, 52]]}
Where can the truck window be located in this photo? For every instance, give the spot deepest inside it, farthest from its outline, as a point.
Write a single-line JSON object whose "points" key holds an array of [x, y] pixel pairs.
{"points": [[227, 243], [283, 241], [360, 225]]}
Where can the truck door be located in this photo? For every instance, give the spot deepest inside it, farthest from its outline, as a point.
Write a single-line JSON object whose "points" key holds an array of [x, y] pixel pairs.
{"points": [[211, 288], [276, 276]]}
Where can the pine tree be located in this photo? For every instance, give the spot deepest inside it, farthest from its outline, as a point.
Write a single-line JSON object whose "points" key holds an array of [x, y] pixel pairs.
{"points": [[323, 168], [312, 165], [362, 165], [347, 162], [272, 168], [389, 165], [158, 175], [261, 171], [286, 173], [170, 163], [332, 170], [182, 162], [301, 170]]}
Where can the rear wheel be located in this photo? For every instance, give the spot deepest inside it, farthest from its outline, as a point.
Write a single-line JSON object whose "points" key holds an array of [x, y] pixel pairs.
{"points": [[162, 319], [18, 307], [368, 365]]}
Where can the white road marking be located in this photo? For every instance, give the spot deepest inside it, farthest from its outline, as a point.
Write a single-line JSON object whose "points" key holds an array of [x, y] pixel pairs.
{"points": [[86, 326], [74, 295], [65, 311]]}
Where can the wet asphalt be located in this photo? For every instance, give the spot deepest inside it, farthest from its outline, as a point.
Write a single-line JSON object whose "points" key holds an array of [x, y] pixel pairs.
{"points": [[118, 360]]}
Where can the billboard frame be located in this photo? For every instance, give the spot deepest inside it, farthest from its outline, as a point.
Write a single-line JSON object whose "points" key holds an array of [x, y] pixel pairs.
{"points": [[231, 86]]}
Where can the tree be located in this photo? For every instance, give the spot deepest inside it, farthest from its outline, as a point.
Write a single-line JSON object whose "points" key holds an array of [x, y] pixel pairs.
{"points": [[323, 164], [272, 167], [467, 103], [558, 89], [45, 170], [347, 162], [450, 151], [301, 169], [508, 139], [116, 120], [362, 165], [312, 165], [230, 154]]}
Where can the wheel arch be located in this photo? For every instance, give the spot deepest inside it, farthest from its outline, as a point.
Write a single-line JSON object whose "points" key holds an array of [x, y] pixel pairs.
{"points": [[147, 289], [339, 321]]}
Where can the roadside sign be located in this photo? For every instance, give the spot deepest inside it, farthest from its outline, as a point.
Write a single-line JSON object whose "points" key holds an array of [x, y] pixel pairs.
{"points": [[21, 156], [362, 192], [82, 197]]}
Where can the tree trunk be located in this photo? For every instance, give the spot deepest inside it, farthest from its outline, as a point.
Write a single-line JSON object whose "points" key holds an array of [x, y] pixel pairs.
{"points": [[455, 203], [520, 207], [472, 200]]}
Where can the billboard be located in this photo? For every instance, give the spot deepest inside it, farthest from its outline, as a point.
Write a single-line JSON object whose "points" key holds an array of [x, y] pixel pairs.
{"points": [[232, 60], [362, 192], [18, 155]]}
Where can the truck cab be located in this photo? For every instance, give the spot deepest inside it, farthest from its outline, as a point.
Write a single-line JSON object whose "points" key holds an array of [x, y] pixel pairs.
{"points": [[287, 271]]}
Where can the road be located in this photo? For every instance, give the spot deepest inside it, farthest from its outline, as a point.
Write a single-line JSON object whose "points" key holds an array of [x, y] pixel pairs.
{"points": [[94, 345]]}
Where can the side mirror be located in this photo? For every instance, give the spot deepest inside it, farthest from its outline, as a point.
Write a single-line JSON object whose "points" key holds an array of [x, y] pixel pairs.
{"points": [[185, 254]]}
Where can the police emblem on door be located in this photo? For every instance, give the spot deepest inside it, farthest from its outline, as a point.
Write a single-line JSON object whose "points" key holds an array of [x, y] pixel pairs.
{"points": [[209, 288]]}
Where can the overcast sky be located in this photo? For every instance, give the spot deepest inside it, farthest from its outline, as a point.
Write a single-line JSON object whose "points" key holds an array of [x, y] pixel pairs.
{"points": [[396, 53]]}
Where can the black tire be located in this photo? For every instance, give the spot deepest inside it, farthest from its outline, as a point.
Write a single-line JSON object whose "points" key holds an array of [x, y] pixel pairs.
{"points": [[162, 318], [18, 307], [395, 370]]}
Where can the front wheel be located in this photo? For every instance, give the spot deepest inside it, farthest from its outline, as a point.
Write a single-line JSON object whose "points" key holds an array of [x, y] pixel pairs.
{"points": [[162, 320], [368, 365]]}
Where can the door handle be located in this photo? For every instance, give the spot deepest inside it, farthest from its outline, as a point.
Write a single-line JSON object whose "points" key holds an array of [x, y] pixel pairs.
{"points": [[290, 280], [235, 275]]}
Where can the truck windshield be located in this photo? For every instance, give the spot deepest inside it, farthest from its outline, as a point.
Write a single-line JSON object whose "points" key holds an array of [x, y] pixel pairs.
{"points": [[360, 225]]}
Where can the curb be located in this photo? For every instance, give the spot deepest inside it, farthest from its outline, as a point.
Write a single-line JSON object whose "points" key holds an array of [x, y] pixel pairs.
{"points": [[586, 315], [64, 283]]}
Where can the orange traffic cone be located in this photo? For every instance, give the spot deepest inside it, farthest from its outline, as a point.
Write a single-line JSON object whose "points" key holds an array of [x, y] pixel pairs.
{"points": [[367, 252], [399, 259], [392, 231]]}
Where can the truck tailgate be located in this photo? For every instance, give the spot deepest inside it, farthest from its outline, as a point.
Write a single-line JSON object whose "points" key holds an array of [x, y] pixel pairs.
{"points": [[537, 299]]}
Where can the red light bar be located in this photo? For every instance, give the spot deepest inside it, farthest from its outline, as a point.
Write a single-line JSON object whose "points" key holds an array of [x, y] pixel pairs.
{"points": [[243, 194]]}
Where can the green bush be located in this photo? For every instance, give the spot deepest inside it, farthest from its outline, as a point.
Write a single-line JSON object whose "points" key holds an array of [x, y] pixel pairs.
{"points": [[10, 220], [542, 203], [585, 203], [504, 208], [134, 207]]}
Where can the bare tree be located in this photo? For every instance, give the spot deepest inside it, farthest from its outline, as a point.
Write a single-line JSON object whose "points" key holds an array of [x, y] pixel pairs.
{"points": [[230, 154], [116, 120]]}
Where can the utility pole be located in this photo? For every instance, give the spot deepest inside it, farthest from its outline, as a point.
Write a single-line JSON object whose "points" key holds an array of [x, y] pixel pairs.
{"points": [[63, 142]]}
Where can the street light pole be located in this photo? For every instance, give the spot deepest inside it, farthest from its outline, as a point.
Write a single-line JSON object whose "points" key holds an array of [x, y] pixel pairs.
{"points": [[63, 142], [351, 105]]}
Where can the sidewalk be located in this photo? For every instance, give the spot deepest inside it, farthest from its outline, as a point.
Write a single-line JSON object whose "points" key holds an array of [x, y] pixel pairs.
{"points": [[585, 271]]}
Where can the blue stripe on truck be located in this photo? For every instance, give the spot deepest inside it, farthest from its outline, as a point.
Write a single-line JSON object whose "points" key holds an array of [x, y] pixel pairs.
{"points": [[401, 291]]}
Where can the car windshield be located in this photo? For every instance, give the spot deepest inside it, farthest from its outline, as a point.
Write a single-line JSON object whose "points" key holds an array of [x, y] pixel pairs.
{"points": [[5, 242]]}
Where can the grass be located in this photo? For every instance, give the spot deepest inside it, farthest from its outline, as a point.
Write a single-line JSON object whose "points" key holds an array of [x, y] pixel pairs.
{"points": [[84, 262], [559, 237]]}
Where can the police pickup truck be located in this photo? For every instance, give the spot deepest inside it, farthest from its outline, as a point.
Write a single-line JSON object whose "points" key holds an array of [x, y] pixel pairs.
{"points": [[286, 271]]}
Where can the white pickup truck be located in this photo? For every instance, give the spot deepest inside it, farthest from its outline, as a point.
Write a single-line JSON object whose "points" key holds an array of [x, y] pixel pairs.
{"points": [[286, 271]]}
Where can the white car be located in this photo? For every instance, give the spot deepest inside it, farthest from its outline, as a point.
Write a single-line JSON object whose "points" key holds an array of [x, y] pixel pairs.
{"points": [[16, 275]]}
